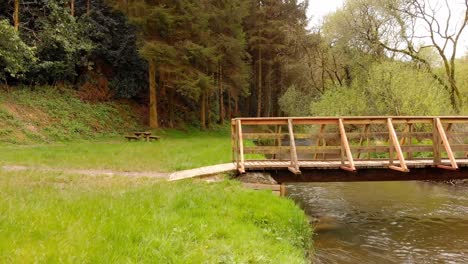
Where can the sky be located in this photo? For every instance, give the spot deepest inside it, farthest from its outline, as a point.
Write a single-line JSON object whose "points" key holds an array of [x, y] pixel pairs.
{"points": [[320, 8]]}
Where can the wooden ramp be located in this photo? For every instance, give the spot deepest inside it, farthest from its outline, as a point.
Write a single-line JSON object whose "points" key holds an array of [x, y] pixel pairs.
{"points": [[301, 145], [203, 171]]}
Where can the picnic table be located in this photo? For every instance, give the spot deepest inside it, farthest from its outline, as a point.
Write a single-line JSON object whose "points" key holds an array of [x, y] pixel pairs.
{"points": [[145, 135]]}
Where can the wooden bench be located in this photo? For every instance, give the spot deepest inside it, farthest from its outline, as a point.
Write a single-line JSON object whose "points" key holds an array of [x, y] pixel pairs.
{"points": [[130, 138], [151, 138]]}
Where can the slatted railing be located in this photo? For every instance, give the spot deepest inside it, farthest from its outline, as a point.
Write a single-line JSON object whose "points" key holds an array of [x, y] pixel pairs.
{"points": [[349, 143]]}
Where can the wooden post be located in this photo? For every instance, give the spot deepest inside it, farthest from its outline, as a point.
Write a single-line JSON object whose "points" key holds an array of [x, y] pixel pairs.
{"points": [[241, 166], [396, 145], [294, 168], [233, 141], [282, 190], [436, 143], [390, 148], [345, 146], [445, 142], [410, 140]]}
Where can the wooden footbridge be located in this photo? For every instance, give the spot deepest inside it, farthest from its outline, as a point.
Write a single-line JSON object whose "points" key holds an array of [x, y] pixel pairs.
{"points": [[352, 148]]}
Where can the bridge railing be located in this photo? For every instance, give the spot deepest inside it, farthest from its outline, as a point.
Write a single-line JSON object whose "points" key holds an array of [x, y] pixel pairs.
{"points": [[291, 142]]}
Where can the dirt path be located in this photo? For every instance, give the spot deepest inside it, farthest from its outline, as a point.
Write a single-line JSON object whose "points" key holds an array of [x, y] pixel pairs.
{"points": [[88, 172]]}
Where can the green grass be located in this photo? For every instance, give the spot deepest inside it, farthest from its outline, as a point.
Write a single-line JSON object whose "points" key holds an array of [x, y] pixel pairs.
{"points": [[48, 114], [54, 218], [176, 150]]}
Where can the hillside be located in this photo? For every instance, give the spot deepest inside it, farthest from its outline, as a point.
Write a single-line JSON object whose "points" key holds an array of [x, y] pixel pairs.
{"points": [[49, 114]]}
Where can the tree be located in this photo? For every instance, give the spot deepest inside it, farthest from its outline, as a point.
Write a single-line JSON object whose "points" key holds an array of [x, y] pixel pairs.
{"points": [[406, 28], [15, 55]]}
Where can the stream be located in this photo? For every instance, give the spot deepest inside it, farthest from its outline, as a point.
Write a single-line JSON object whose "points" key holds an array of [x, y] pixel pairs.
{"points": [[386, 222]]}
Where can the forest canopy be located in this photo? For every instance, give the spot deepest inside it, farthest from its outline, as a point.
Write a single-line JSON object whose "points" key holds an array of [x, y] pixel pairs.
{"points": [[200, 62]]}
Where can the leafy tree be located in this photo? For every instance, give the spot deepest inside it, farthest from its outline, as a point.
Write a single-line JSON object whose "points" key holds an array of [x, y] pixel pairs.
{"points": [[62, 45], [15, 55], [115, 52]]}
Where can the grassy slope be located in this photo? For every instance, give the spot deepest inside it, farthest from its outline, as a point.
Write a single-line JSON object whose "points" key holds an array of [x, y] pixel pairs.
{"points": [[48, 114], [53, 218]]}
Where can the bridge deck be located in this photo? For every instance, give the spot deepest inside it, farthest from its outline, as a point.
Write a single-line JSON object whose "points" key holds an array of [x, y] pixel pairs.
{"points": [[360, 164]]}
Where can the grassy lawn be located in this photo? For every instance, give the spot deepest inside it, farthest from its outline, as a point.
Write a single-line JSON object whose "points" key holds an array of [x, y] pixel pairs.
{"points": [[176, 150], [51, 217]]}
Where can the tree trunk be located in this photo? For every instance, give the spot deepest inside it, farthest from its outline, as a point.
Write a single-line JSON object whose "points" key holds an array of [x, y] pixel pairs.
{"points": [[229, 110], [268, 100], [221, 100], [203, 111], [88, 7], [259, 87], [171, 107], [454, 94], [16, 15], [153, 105], [236, 106], [72, 8], [208, 109]]}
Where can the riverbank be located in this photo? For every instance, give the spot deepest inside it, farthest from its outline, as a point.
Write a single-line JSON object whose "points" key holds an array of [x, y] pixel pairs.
{"points": [[52, 217]]}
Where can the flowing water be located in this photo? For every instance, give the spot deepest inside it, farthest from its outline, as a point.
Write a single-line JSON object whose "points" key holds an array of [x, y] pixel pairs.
{"points": [[386, 222]]}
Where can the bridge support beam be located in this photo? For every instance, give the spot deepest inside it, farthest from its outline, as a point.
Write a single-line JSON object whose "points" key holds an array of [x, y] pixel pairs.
{"points": [[416, 174], [294, 168], [345, 149], [395, 144]]}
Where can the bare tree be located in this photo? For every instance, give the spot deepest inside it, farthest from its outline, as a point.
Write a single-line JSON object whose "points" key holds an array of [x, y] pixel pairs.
{"points": [[420, 21]]}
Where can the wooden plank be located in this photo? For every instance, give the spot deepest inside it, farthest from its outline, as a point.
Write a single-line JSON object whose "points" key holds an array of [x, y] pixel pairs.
{"points": [[241, 166], [202, 172], [345, 144], [396, 145], [445, 142], [292, 143]]}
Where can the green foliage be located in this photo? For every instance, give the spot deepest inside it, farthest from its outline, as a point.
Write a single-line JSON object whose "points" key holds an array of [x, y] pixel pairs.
{"points": [[400, 89], [51, 217], [63, 44], [294, 102], [392, 88], [15, 56], [341, 101], [115, 51]]}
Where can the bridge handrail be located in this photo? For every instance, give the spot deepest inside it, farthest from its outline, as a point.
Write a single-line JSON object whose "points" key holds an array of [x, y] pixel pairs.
{"points": [[440, 128]]}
